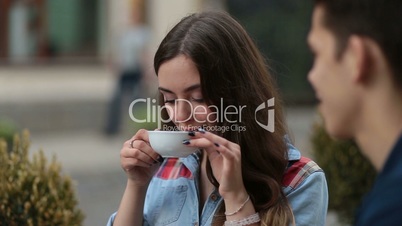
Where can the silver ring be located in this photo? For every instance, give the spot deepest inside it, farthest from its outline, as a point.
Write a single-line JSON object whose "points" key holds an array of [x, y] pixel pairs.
{"points": [[131, 143]]}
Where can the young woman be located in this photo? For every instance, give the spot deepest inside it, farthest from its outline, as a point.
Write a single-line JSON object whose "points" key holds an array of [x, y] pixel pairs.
{"points": [[215, 83]]}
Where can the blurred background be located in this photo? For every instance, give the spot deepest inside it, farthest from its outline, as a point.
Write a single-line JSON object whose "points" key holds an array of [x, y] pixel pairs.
{"points": [[61, 68]]}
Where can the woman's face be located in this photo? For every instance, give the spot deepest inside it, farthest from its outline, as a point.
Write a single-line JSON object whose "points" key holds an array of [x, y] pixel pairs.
{"points": [[180, 85]]}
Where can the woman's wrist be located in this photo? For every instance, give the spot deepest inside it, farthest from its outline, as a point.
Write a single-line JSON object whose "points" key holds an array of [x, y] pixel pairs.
{"points": [[238, 207], [234, 200], [139, 187], [249, 220], [236, 195]]}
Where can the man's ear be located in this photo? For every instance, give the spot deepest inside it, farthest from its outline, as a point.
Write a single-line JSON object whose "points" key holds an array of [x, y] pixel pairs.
{"points": [[359, 59]]}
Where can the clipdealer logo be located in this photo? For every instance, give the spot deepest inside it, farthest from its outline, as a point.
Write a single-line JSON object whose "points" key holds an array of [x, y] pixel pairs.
{"points": [[216, 114], [271, 115]]}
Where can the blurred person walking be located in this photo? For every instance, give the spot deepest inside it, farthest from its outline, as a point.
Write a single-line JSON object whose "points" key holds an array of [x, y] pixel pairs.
{"points": [[129, 64]]}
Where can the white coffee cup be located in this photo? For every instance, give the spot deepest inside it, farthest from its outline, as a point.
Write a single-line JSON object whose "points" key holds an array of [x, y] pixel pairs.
{"points": [[170, 143]]}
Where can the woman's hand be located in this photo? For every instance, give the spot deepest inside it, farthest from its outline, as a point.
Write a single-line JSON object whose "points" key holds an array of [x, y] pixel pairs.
{"points": [[138, 159], [225, 159]]}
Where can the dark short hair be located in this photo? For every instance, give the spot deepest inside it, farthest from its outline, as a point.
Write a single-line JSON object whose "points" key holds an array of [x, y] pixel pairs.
{"points": [[379, 20]]}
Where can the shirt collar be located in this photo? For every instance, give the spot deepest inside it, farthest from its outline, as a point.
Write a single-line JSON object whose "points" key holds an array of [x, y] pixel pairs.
{"points": [[192, 161], [293, 152]]}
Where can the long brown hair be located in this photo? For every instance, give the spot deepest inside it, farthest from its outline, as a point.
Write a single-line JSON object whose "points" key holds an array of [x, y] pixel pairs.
{"points": [[233, 71]]}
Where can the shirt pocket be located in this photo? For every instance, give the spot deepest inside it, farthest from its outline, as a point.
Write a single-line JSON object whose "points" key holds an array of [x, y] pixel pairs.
{"points": [[169, 204]]}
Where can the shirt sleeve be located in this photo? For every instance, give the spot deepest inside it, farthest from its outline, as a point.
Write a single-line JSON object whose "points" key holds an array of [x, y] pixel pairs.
{"points": [[111, 219], [309, 200]]}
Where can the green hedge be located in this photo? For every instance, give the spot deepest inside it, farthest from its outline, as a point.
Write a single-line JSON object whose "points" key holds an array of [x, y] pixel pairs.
{"points": [[34, 192], [7, 131], [349, 174]]}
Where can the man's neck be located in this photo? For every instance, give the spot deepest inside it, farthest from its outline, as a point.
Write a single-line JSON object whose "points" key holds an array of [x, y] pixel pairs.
{"points": [[380, 128]]}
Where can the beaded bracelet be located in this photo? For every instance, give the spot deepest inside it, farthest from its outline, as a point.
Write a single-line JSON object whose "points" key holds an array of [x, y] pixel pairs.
{"points": [[255, 218], [241, 207]]}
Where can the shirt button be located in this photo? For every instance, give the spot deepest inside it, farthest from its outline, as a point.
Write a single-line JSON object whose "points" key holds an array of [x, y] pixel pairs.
{"points": [[214, 197], [196, 224]]}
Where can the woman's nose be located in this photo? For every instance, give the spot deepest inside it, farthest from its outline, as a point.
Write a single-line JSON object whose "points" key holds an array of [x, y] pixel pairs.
{"points": [[182, 111]]}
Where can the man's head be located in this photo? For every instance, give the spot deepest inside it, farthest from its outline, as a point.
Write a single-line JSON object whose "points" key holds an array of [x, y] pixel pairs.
{"points": [[378, 20], [354, 42]]}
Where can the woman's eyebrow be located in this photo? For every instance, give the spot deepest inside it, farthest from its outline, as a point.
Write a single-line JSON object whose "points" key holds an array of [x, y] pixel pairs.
{"points": [[192, 87], [164, 90], [186, 90]]}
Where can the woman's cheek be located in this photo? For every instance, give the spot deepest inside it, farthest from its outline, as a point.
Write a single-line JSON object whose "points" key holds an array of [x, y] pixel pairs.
{"points": [[203, 114], [200, 113]]}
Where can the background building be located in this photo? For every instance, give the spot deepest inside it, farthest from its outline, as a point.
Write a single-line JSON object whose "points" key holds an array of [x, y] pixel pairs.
{"points": [[32, 30], [76, 31]]}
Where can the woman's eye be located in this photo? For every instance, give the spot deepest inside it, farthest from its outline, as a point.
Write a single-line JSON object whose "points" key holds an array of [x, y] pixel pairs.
{"points": [[198, 100], [169, 101]]}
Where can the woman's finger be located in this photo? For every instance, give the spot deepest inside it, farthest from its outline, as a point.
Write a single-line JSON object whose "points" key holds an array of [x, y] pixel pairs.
{"points": [[146, 149], [130, 163], [137, 154], [214, 140]]}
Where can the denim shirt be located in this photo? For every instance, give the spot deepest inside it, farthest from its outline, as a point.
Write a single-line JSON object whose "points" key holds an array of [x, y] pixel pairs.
{"points": [[173, 194]]}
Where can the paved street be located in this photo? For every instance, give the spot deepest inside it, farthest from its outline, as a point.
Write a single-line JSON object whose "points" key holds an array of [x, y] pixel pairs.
{"points": [[35, 95]]}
